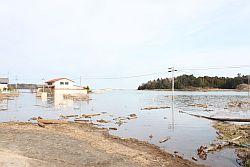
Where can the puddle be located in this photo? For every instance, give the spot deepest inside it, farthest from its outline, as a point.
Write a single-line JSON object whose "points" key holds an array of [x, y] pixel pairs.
{"points": [[186, 133]]}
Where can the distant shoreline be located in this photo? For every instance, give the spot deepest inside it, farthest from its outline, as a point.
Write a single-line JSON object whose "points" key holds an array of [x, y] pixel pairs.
{"points": [[198, 90]]}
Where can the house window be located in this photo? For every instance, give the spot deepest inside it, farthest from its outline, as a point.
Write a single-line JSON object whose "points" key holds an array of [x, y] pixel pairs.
{"points": [[66, 83], [61, 83]]}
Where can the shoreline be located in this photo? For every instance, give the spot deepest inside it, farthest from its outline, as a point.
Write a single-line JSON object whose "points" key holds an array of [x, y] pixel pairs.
{"points": [[69, 142], [197, 90]]}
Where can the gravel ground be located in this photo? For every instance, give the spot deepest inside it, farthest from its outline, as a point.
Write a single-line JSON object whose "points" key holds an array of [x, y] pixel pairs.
{"points": [[74, 144]]}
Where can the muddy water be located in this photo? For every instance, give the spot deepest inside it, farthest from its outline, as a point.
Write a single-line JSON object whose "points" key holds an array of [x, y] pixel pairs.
{"points": [[186, 132]]}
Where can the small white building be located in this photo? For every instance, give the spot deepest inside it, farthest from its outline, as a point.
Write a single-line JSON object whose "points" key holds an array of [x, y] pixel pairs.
{"points": [[4, 83], [66, 86]]}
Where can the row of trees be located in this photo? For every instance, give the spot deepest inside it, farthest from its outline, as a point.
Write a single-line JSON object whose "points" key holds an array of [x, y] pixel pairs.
{"points": [[189, 81]]}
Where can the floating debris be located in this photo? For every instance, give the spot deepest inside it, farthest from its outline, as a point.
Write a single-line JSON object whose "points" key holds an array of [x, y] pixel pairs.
{"points": [[33, 119], [112, 128], [82, 120], [199, 105], [120, 118], [208, 110], [193, 158], [202, 152], [132, 115], [68, 116], [151, 136], [89, 115], [240, 104], [154, 107], [102, 121], [120, 122], [230, 134], [164, 140], [219, 119]]}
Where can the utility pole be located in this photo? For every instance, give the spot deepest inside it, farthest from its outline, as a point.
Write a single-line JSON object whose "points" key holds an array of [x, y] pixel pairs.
{"points": [[172, 70], [16, 82]]}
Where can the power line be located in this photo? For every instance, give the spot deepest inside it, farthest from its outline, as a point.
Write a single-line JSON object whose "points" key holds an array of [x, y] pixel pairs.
{"points": [[125, 77], [217, 68], [155, 73]]}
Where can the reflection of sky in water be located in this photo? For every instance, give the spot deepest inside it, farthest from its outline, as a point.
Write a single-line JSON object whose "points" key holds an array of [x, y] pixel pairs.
{"points": [[187, 134]]}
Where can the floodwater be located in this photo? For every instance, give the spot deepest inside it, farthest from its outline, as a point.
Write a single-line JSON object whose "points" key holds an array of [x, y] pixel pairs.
{"points": [[186, 132]]}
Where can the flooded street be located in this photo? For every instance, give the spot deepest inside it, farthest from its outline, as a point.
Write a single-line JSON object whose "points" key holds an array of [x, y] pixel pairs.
{"points": [[186, 133]]}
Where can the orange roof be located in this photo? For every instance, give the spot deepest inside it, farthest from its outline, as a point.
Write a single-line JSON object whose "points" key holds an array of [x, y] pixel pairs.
{"points": [[58, 79]]}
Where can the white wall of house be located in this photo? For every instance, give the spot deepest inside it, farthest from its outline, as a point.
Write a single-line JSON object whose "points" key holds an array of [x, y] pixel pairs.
{"points": [[72, 91], [64, 84], [67, 86]]}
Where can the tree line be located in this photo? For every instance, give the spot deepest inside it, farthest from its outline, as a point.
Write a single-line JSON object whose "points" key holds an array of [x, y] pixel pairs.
{"points": [[190, 81]]}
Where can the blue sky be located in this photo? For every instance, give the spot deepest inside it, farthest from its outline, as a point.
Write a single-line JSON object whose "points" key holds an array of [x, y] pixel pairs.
{"points": [[72, 38]]}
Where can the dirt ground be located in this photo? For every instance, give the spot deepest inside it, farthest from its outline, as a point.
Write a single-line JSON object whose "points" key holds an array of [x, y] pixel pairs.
{"points": [[74, 144]]}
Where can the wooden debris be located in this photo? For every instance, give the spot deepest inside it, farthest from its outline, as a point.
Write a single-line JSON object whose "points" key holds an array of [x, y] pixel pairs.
{"points": [[120, 118], [90, 115], [193, 158], [203, 150], [81, 120], [199, 105], [112, 128], [155, 107], [68, 116], [120, 122], [102, 121], [164, 140], [51, 121], [33, 118], [219, 134], [132, 115], [41, 124], [240, 104], [220, 119]]}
